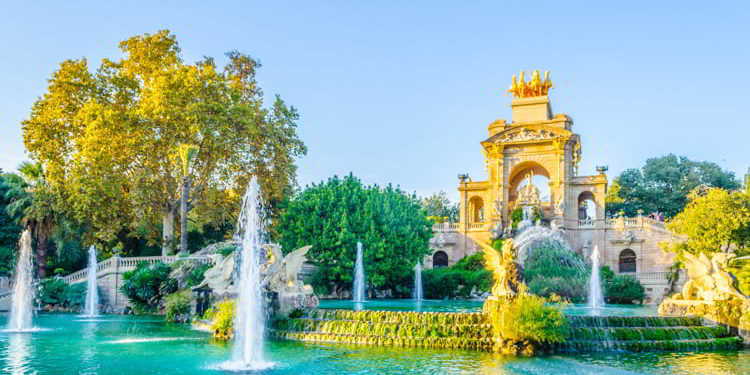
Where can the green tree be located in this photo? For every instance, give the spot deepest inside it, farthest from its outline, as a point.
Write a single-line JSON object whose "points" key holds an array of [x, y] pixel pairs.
{"points": [[663, 185], [9, 231], [109, 139], [31, 204], [334, 215], [439, 206], [713, 220]]}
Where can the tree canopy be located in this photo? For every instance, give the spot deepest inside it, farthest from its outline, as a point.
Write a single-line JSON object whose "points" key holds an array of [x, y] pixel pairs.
{"points": [[713, 220], [439, 207], [109, 139], [663, 185], [332, 216]]}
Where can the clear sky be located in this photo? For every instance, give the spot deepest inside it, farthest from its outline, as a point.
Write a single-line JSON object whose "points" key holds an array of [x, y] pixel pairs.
{"points": [[402, 92]]}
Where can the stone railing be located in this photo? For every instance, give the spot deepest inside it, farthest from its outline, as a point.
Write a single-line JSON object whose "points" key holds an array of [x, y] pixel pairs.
{"points": [[586, 223], [455, 227], [445, 226], [127, 264], [653, 277]]}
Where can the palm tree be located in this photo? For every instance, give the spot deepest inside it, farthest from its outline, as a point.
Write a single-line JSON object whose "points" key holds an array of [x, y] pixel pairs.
{"points": [[30, 205]]}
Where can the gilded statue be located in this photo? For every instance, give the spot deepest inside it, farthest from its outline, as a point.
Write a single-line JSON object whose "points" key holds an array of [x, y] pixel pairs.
{"points": [[709, 279], [503, 267], [536, 87]]}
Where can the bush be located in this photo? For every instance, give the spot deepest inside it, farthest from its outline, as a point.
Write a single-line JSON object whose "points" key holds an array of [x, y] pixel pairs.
{"points": [[551, 268], [527, 317], [52, 291], [147, 285], [195, 276], [624, 289], [227, 249], [177, 306], [56, 292], [456, 281], [223, 319], [473, 262]]}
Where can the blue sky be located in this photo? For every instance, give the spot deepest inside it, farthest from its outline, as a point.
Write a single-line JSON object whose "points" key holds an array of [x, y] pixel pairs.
{"points": [[402, 92]]}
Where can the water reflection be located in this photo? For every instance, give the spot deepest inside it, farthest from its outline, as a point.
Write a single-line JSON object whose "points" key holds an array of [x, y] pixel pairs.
{"points": [[88, 354], [18, 353]]}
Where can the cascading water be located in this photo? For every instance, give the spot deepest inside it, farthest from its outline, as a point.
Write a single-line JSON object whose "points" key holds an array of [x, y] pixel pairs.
{"points": [[92, 294], [21, 309], [418, 294], [358, 289], [595, 287], [249, 324]]}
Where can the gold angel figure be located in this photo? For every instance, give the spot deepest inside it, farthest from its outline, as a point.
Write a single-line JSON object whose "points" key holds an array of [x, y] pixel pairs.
{"points": [[503, 268]]}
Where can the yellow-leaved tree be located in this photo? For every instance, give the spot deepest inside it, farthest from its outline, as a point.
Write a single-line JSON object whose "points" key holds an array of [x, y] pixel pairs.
{"points": [[715, 220], [110, 140]]}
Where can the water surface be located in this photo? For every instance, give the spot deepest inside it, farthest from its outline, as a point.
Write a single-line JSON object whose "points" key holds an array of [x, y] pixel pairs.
{"points": [[126, 345]]}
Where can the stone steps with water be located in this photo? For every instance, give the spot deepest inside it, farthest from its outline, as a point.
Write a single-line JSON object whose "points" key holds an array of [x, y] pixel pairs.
{"points": [[389, 328], [473, 331], [588, 333]]}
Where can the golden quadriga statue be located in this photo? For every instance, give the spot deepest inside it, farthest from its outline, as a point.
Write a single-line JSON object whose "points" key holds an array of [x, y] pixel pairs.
{"points": [[536, 87]]}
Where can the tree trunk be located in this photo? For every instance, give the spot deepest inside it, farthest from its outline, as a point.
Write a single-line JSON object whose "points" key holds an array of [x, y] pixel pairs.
{"points": [[41, 254], [184, 215], [167, 244]]}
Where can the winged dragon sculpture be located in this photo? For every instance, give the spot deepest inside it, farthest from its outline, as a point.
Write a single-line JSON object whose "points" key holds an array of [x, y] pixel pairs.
{"points": [[709, 279], [281, 271]]}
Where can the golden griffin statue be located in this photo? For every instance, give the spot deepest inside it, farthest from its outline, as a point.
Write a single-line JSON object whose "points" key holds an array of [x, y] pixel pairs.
{"points": [[503, 267], [536, 87]]}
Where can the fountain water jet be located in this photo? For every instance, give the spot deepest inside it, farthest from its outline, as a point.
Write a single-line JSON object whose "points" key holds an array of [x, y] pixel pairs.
{"points": [[595, 288], [358, 289], [21, 309], [92, 294], [249, 323], [418, 294]]}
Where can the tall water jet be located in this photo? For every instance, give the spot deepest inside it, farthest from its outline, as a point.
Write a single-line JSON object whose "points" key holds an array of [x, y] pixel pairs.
{"points": [[249, 323], [21, 309], [92, 294], [418, 294], [595, 287], [358, 289]]}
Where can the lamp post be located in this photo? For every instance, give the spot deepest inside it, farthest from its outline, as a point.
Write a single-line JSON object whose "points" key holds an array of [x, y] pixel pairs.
{"points": [[463, 177]]}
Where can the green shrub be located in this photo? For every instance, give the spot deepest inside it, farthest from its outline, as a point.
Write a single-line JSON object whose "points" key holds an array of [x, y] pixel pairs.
{"points": [[147, 285], [624, 289], [195, 276], [473, 262], [227, 249], [550, 268], [177, 306], [606, 274], [515, 217], [52, 291], [527, 317], [451, 282], [56, 292]]}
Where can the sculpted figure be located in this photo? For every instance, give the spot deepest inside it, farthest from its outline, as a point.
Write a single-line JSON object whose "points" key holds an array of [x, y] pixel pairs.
{"points": [[503, 268], [281, 272], [709, 279]]}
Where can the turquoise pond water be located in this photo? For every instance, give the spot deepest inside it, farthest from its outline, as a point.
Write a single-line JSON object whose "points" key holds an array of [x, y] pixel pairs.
{"points": [[69, 344]]}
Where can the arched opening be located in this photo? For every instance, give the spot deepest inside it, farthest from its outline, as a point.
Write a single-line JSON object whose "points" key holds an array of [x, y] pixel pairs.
{"points": [[586, 206], [627, 261], [439, 259], [519, 180], [476, 210]]}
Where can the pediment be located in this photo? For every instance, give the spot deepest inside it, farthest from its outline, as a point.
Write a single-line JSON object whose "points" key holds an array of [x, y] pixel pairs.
{"points": [[529, 133]]}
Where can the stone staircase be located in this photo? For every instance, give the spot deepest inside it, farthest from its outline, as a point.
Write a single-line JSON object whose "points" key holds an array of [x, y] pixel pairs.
{"points": [[646, 333], [474, 332]]}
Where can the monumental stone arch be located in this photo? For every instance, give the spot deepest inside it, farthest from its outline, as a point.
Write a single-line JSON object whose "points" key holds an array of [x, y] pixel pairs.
{"points": [[538, 142]]}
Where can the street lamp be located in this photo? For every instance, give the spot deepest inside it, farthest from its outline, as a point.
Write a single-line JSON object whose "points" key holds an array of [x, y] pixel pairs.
{"points": [[463, 177]]}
